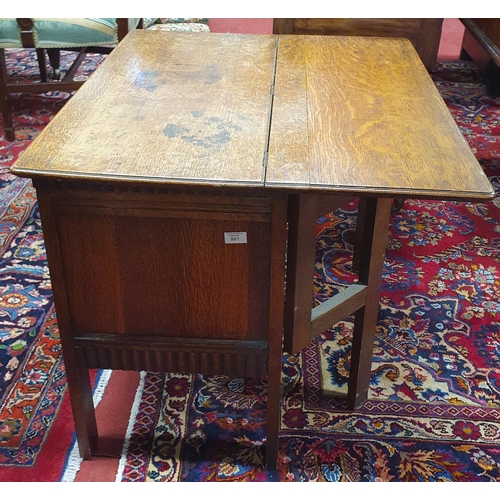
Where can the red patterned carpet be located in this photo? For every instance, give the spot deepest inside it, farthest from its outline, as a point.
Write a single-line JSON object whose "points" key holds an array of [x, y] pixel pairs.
{"points": [[35, 417], [433, 414]]}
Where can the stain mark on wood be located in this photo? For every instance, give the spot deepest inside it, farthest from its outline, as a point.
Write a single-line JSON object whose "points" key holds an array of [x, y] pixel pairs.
{"points": [[212, 74], [146, 80], [212, 133], [171, 130]]}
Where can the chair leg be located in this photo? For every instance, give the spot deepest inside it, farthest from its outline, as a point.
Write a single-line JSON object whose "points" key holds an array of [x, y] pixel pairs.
{"points": [[398, 203], [5, 108], [71, 72], [55, 62], [40, 53]]}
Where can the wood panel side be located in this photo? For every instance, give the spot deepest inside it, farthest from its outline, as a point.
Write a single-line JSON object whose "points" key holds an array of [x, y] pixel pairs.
{"points": [[89, 259], [166, 275], [196, 285]]}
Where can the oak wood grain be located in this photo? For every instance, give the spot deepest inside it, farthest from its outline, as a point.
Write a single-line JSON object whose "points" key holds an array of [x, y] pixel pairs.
{"points": [[362, 115], [166, 106], [152, 274]]}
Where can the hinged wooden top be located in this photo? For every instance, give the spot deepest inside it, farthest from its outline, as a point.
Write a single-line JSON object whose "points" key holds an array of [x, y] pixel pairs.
{"points": [[357, 115], [166, 107], [362, 115]]}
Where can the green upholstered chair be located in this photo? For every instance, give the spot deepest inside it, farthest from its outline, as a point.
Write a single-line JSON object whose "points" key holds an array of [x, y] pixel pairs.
{"points": [[50, 36]]}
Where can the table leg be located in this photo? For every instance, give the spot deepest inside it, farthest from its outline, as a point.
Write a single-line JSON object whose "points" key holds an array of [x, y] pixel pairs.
{"points": [[302, 218], [303, 322], [77, 374], [372, 244], [82, 405], [40, 54], [275, 339], [360, 229], [273, 414]]}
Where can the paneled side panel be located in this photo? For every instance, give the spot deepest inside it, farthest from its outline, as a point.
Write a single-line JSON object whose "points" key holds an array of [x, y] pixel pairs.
{"points": [[197, 285], [148, 271], [90, 266]]}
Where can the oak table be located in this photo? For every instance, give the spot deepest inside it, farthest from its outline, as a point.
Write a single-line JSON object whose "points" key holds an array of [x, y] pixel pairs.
{"points": [[179, 191]]}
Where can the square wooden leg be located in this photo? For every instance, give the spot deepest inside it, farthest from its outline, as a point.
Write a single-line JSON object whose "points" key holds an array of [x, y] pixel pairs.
{"points": [[371, 255], [275, 335], [303, 322], [82, 406]]}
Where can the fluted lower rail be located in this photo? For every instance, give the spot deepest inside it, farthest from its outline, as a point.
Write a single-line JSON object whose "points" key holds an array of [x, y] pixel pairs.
{"points": [[186, 355]]}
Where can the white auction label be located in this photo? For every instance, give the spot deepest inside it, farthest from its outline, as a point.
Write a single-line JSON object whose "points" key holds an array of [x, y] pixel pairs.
{"points": [[235, 237]]}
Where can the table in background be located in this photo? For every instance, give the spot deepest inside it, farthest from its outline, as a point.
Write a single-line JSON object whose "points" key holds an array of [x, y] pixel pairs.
{"points": [[423, 33], [481, 43]]}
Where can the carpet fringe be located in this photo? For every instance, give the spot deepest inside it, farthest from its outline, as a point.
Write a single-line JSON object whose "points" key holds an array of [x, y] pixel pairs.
{"points": [[133, 415], [74, 460]]}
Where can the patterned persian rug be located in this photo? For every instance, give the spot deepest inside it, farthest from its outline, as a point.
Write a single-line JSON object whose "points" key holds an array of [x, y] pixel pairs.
{"points": [[434, 404], [35, 420], [434, 407]]}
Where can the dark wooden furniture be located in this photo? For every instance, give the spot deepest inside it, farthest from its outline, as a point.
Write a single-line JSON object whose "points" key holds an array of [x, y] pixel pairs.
{"points": [[67, 83], [424, 33], [481, 43], [167, 219]]}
